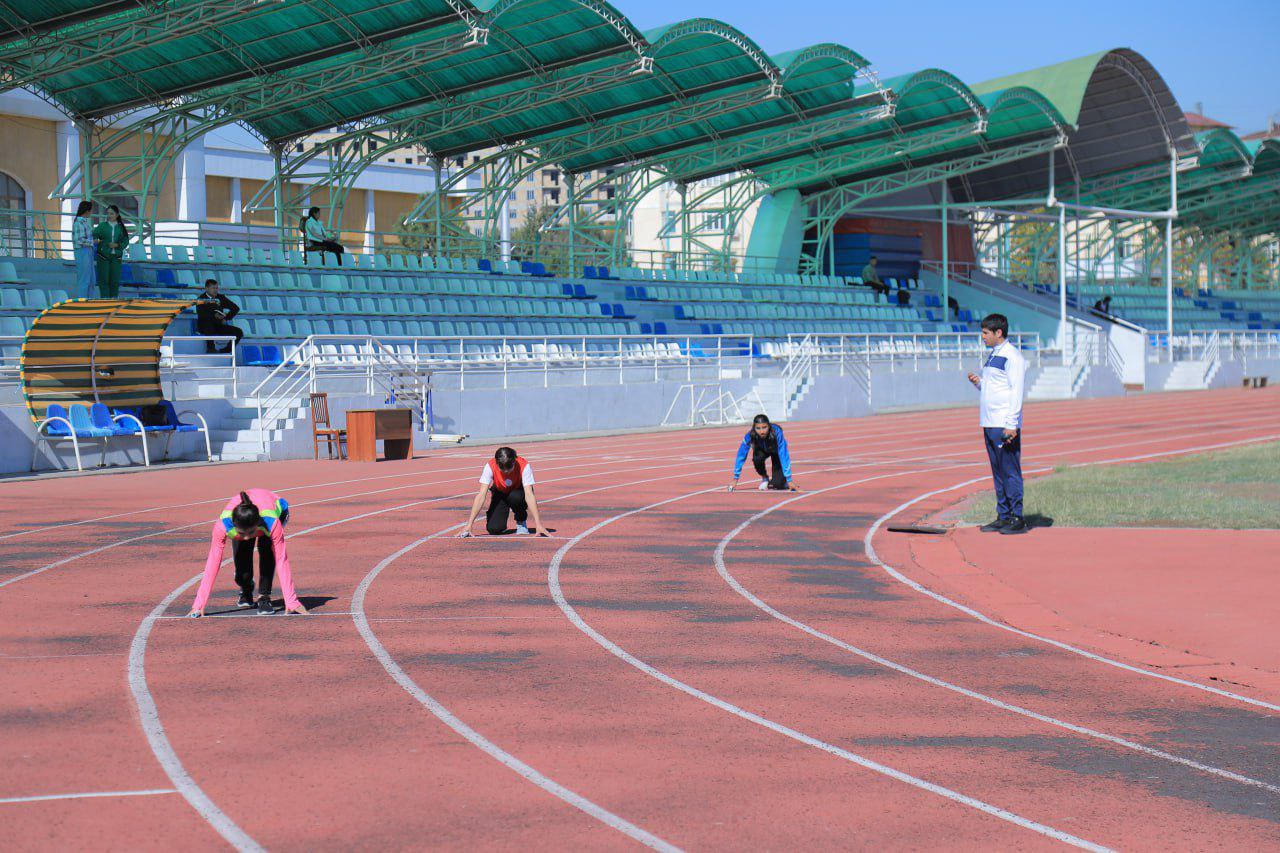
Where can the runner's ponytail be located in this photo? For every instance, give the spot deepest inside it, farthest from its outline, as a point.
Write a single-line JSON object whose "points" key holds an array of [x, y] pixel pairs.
{"points": [[245, 516]]}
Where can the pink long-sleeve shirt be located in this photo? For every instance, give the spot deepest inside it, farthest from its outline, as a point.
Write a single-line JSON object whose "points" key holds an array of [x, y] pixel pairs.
{"points": [[266, 501]]}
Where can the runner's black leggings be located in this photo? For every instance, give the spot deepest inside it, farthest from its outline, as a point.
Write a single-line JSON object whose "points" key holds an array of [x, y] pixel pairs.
{"points": [[778, 480], [500, 506], [242, 551]]}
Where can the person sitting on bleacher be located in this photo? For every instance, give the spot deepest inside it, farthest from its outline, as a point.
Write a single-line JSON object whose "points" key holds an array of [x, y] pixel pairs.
{"points": [[904, 295], [1103, 305], [213, 311], [871, 278], [317, 239]]}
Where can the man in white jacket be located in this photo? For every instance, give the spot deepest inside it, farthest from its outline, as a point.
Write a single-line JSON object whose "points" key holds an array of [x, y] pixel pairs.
{"points": [[1000, 412]]}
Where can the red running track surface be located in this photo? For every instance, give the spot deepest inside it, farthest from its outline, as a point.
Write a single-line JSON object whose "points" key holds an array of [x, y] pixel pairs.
{"points": [[679, 667]]}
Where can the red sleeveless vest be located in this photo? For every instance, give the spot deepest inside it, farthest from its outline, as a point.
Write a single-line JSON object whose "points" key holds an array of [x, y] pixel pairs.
{"points": [[508, 482]]}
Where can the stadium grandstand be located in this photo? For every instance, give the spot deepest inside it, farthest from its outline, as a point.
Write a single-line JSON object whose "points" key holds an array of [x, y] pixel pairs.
{"points": [[706, 216]]}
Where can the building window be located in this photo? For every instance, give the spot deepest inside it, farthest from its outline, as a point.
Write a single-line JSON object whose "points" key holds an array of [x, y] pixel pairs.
{"points": [[15, 220], [529, 195], [299, 147]]}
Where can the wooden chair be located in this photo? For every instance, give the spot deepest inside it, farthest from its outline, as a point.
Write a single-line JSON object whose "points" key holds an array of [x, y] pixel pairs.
{"points": [[322, 429]]}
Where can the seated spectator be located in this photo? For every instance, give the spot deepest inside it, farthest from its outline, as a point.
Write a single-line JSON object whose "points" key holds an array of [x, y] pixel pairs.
{"points": [[954, 305], [316, 239], [1103, 305], [904, 296], [871, 278], [213, 311]]}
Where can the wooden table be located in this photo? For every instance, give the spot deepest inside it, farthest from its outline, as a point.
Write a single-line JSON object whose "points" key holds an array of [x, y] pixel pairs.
{"points": [[366, 427]]}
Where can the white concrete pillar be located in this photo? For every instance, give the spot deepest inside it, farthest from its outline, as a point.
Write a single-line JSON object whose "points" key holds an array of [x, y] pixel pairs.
{"points": [[370, 223], [191, 176], [237, 203], [68, 143]]}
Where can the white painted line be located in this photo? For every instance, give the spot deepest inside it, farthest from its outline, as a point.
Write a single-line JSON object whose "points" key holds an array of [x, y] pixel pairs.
{"points": [[86, 795], [982, 617], [755, 600], [553, 583]]}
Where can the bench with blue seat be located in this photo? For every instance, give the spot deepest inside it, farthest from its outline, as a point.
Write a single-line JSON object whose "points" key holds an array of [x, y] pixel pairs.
{"points": [[78, 423]]}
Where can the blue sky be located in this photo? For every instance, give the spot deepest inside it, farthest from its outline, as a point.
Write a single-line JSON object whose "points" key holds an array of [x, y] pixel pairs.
{"points": [[1221, 53]]}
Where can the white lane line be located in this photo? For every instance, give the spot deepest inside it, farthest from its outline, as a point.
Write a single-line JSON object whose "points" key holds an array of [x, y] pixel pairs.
{"points": [[86, 795], [149, 719], [467, 479], [553, 583], [577, 451], [474, 737], [982, 617], [756, 601]]}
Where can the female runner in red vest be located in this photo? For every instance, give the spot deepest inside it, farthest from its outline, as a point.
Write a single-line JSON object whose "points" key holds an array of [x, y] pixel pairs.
{"points": [[508, 479]]}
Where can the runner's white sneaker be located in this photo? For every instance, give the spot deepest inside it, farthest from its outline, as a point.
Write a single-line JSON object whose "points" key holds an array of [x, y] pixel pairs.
{"points": [[764, 485], [522, 530]]}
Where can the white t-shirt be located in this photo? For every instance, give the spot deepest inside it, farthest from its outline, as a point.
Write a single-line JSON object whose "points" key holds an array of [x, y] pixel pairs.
{"points": [[486, 476], [1000, 400]]}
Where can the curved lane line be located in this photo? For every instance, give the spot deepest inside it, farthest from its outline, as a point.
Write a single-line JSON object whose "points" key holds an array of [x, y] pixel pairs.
{"points": [[553, 583], [757, 602], [982, 617]]}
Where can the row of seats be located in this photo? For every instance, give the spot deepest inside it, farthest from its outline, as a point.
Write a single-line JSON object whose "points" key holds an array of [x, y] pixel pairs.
{"points": [[733, 293], [290, 329], [270, 256], [771, 311], [409, 306], [97, 421], [777, 329], [29, 299], [240, 281]]}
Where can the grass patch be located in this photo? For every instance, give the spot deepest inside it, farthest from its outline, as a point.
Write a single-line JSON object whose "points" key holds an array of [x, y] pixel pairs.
{"points": [[1228, 489]]}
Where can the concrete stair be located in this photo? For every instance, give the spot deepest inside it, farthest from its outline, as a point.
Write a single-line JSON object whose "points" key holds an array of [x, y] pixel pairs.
{"points": [[239, 436], [777, 403], [1190, 376], [1053, 383]]}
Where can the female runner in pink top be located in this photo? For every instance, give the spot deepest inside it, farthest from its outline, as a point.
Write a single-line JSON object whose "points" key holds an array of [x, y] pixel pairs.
{"points": [[258, 514]]}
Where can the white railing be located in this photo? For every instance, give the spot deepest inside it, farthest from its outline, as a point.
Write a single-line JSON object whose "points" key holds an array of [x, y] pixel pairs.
{"points": [[902, 352], [710, 405], [1214, 345], [182, 358]]}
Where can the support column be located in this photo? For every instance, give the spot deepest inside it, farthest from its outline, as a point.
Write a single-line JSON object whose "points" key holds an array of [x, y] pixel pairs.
{"points": [[277, 154], [191, 182], [70, 155], [237, 202], [1168, 245], [570, 182], [1062, 284], [438, 191], [946, 258], [683, 190], [370, 223]]}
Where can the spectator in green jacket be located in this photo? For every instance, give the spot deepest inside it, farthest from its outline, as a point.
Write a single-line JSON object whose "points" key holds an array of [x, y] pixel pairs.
{"points": [[111, 237]]}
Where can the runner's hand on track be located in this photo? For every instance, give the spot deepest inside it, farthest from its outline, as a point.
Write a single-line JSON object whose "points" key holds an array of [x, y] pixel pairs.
{"points": [[791, 486], [542, 531], [733, 485], [301, 610], [464, 534], [196, 614]]}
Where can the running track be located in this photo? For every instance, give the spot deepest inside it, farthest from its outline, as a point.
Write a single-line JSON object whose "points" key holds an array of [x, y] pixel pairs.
{"points": [[678, 668]]}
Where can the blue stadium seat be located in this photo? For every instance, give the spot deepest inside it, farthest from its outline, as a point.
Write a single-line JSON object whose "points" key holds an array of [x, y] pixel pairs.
{"points": [[250, 354]]}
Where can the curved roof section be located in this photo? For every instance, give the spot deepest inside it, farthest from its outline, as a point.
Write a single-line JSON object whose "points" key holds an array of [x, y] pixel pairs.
{"points": [[1120, 114]]}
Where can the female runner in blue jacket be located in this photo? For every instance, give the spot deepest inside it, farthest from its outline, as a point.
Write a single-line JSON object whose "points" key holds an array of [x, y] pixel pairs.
{"points": [[765, 442]]}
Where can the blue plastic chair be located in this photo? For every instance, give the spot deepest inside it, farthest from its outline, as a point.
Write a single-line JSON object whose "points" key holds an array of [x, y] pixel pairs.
{"points": [[59, 429], [171, 419], [82, 423], [101, 418], [250, 354]]}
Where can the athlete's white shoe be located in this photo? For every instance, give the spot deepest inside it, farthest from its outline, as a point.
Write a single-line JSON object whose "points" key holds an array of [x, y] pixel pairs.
{"points": [[764, 485], [522, 530]]}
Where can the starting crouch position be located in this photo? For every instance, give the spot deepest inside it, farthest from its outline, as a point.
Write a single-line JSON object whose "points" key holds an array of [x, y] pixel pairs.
{"points": [[765, 442], [508, 480], [256, 516]]}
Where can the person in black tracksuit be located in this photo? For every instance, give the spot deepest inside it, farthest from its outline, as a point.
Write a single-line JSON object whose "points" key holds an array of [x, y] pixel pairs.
{"points": [[767, 444], [213, 313]]}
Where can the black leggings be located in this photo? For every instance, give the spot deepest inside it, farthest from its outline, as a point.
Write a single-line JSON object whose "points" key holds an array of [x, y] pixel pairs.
{"points": [[778, 480], [501, 505], [222, 330], [325, 246], [242, 551]]}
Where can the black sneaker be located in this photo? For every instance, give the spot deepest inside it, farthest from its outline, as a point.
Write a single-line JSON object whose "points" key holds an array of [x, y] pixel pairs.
{"points": [[1014, 526], [265, 607], [993, 526], [246, 600]]}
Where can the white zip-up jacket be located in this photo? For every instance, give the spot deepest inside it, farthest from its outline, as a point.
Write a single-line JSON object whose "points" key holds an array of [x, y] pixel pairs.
{"points": [[1000, 397]]}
